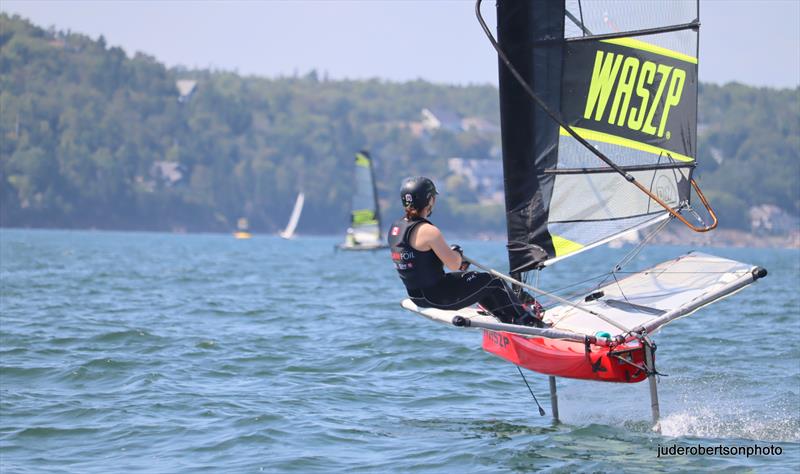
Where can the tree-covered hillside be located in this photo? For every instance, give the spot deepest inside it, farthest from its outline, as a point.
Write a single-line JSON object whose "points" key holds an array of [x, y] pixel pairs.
{"points": [[92, 138], [749, 149]]}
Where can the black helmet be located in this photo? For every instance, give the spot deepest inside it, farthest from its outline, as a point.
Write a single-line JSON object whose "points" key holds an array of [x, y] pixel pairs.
{"points": [[417, 192]]}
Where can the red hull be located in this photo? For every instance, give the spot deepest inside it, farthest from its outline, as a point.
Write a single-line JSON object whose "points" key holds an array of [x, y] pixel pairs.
{"points": [[568, 359]]}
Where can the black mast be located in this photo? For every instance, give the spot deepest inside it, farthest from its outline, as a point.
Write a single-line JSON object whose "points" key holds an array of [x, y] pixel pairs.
{"points": [[374, 190]]}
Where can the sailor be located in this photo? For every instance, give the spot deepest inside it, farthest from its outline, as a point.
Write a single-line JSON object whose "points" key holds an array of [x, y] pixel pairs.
{"points": [[420, 252], [350, 238]]}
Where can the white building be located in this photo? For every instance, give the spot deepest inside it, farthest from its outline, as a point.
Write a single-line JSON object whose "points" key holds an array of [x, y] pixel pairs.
{"points": [[771, 219], [436, 119]]}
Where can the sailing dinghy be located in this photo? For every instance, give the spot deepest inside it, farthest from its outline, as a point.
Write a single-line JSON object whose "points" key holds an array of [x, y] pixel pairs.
{"points": [[598, 103], [288, 232], [242, 229], [365, 218]]}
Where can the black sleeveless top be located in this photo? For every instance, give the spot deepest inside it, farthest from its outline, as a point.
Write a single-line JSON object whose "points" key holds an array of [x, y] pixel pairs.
{"points": [[417, 269]]}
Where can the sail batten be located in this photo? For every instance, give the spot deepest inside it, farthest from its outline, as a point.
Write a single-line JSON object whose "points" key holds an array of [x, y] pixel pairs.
{"points": [[620, 82], [616, 140]]}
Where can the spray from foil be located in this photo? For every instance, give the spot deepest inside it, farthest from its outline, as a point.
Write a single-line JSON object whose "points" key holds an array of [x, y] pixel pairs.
{"points": [[714, 408]]}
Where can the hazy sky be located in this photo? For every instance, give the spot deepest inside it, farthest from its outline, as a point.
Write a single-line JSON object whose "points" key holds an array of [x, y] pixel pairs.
{"points": [[754, 42]]}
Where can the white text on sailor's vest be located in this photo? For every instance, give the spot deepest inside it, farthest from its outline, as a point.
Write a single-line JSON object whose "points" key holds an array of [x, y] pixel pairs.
{"points": [[636, 112]]}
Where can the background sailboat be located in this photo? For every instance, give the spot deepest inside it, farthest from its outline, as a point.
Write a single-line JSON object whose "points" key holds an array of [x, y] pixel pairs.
{"points": [[242, 229], [364, 232], [288, 232]]}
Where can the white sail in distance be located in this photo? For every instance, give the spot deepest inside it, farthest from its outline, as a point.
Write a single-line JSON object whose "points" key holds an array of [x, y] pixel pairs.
{"points": [[288, 232]]}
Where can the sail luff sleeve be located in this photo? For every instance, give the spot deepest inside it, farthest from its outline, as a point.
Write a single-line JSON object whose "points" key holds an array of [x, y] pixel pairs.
{"points": [[528, 135]]}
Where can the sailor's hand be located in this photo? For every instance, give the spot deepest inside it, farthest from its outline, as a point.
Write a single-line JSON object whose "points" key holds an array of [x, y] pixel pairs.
{"points": [[464, 263]]}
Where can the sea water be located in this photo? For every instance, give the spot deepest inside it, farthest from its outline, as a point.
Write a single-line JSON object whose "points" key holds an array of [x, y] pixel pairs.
{"points": [[155, 352]]}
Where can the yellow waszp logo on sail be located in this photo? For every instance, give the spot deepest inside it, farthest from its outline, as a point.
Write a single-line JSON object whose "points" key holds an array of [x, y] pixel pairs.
{"points": [[626, 91]]}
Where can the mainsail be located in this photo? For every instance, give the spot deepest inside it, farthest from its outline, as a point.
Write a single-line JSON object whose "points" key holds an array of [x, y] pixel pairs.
{"points": [[365, 220], [621, 76]]}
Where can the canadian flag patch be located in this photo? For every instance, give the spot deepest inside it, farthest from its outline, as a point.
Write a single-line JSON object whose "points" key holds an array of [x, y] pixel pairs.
{"points": [[395, 230]]}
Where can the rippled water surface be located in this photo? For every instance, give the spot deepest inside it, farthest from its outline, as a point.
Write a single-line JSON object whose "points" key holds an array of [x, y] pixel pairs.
{"points": [[185, 353]]}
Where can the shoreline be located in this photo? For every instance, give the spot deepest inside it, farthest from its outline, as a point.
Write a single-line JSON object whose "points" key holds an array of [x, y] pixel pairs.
{"points": [[677, 236], [728, 238]]}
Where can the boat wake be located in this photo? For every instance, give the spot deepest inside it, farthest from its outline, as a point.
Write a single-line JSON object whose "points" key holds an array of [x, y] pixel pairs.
{"points": [[718, 410], [780, 425]]}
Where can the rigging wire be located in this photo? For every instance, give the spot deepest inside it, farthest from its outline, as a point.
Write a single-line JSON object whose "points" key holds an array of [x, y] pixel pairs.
{"points": [[583, 25], [619, 287], [604, 277], [539, 291], [640, 246], [631, 255]]}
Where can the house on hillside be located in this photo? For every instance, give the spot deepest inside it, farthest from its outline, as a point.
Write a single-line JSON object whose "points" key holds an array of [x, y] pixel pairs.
{"points": [[440, 119], [167, 172], [770, 219], [484, 177], [478, 124]]}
